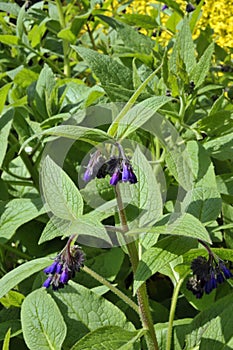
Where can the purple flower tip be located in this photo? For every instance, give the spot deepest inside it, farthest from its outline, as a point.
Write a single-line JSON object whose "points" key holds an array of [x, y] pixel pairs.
{"points": [[87, 176], [164, 7], [227, 273], [51, 269], [115, 178], [47, 282]]}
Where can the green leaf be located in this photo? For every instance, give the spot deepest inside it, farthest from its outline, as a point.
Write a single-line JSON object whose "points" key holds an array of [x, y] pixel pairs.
{"points": [[178, 225], [131, 38], [200, 71], [66, 34], [6, 342], [42, 323], [156, 258], [12, 298], [212, 327], [85, 311], [3, 96], [61, 195], [195, 16], [11, 8], [220, 147], [92, 136], [217, 124], [13, 325], [8, 39], [225, 184], [55, 227], [16, 213], [191, 166], [140, 114], [25, 77], [148, 204], [106, 69], [44, 87], [187, 51], [202, 202], [111, 338], [14, 277], [5, 127]]}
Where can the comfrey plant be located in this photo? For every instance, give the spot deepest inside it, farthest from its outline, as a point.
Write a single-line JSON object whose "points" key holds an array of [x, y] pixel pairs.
{"points": [[207, 273]]}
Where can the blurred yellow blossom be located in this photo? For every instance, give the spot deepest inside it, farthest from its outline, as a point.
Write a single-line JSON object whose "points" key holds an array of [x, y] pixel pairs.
{"points": [[217, 14]]}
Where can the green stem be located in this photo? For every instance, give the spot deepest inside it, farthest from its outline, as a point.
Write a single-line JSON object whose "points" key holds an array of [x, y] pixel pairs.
{"points": [[172, 313], [113, 128], [91, 36], [143, 302], [27, 161], [15, 251], [47, 60], [65, 43], [116, 291]]}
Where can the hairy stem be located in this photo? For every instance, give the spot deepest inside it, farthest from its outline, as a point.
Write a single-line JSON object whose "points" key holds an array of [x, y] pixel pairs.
{"points": [[172, 313], [143, 302], [116, 291]]}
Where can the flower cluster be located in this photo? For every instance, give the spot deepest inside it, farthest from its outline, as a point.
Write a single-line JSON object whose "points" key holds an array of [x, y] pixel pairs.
{"points": [[66, 263], [119, 168], [207, 274]]}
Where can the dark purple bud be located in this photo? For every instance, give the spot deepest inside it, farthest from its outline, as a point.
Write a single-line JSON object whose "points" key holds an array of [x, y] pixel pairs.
{"points": [[220, 278], [47, 283], [132, 177], [116, 177], [211, 283], [164, 7], [227, 273], [52, 268], [64, 276], [190, 7]]}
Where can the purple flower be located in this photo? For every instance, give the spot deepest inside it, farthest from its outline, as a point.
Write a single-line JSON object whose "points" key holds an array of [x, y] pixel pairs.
{"points": [[47, 282], [164, 7], [66, 263], [207, 274], [116, 177], [95, 163], [52, 268], [190, 7], [118, 167], [64, 276]]}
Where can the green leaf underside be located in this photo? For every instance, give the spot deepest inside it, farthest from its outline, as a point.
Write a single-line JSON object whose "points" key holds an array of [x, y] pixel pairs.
{"points": [[42, 323], [14, 277], [85, 311], [61, 195], [92, 136], [139, 115]]}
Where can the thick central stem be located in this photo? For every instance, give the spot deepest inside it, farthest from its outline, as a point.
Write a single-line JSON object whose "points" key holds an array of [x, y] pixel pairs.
{"points": [[143, 302]]}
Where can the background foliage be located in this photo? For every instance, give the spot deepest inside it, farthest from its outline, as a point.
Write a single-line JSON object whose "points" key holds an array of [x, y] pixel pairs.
{"points": [[60, 59]]}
